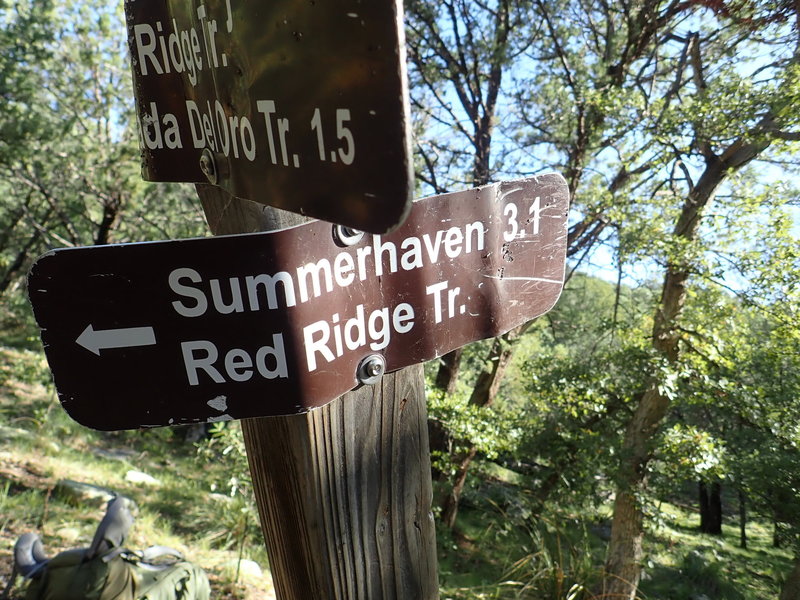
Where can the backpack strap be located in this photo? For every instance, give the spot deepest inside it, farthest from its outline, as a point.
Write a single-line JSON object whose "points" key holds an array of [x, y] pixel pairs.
{"points": [[29, 556], [153, 552], [113, 528], [10, 584], [29, 560], [148, 559]]}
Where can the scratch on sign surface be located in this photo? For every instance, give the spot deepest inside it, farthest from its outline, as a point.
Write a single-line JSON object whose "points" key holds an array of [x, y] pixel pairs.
{"points": [[219, 403]]}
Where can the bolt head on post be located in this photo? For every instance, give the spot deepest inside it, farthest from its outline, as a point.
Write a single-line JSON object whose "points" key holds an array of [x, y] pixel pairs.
{"points": [[346, 236], [209, 166], [371, 369]]}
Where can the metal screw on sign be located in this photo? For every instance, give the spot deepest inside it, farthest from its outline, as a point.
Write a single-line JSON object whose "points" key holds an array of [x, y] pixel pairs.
{"points": [[209, 166], [346, 236], [371, 369]]}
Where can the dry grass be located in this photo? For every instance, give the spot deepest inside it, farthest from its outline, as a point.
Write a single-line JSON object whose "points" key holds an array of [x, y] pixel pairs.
{"points": [[39, 446]]}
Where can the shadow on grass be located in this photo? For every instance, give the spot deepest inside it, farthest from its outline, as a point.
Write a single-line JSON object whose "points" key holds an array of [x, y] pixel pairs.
{"points": [[696, 578]]}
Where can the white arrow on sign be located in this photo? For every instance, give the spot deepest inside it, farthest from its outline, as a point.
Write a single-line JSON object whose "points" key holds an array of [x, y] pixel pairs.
{"points": [[94, 341]]}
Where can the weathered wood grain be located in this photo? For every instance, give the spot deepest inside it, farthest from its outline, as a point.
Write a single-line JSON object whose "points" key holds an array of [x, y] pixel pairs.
{"points": [[344, 492]]}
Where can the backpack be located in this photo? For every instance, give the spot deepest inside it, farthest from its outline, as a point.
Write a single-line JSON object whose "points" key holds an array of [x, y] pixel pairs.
{"points": [[106, 570], [70, 575], [180, 581]]}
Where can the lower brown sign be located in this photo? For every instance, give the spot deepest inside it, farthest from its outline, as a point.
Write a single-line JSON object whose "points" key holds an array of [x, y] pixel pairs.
{"points": [[152, 334]]}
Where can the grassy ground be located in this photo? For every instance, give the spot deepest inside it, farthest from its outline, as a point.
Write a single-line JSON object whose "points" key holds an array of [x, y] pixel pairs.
{"points": [[683, 563], [503, 550], [189, 508], [503, 547]]}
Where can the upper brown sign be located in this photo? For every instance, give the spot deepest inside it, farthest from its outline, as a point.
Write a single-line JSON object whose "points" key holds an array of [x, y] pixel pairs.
{"points": [[276, 323], [301, 105]]}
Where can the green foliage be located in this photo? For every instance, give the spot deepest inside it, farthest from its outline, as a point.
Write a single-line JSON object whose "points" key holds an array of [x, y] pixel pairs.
{"points": [[69, 158], [689, 453], [225, 443], [239, 521], [490, 432], [24, 37], [580, 386]]}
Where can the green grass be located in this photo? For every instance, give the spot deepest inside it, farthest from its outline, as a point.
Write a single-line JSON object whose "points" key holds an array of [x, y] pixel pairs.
{"points": [[505, 548], [682, 563]]}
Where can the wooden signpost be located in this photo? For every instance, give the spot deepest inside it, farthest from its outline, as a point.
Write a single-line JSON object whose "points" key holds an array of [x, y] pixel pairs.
{"points": [[344, 491], [311, 332]]}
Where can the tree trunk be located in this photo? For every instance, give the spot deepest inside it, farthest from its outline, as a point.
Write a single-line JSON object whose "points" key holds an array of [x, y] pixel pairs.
{"points": [[18, 262], [715, 506], [624, 551], [344, 491], [702, 493], [791, 587], [483, 394], [623, 567], [742, 520], [449, 367], [110, 214], [453, 498], [777, 534], [710, 508], [488, 383]]}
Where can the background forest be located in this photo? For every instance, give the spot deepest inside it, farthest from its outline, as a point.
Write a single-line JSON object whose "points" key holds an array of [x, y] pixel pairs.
{"points": [[640, 440]]}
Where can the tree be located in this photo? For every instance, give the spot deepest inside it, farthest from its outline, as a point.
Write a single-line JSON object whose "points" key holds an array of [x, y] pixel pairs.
{"points": [[718, 141], [649, 110], [533, 114], [68, 151], [459, 52]]}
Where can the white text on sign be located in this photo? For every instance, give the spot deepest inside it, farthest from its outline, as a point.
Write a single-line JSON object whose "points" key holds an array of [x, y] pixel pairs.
{"points": [[325, 340], [169, 47]]}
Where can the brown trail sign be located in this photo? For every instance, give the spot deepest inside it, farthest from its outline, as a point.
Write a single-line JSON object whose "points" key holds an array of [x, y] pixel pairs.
{"points": [[199, 328], [299, 105]]}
